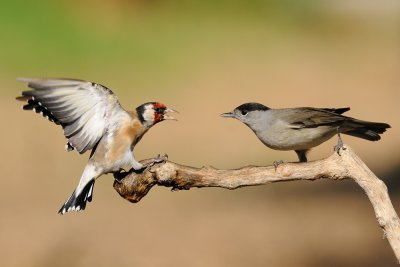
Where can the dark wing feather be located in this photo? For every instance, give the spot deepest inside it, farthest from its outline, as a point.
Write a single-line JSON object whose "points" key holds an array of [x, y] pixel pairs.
{"points": [[300, 118], [336, 110], [84, 109]]}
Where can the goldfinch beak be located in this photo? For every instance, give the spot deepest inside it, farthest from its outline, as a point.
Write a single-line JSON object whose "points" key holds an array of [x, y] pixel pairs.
{"points": [[228, 115], [169, 117]]}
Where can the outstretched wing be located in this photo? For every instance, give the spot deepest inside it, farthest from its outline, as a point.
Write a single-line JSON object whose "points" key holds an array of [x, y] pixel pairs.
{"points": [[314, 117], [85, 110]]}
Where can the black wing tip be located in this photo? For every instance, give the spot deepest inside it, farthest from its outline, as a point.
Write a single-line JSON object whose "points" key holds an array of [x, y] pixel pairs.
{"points": [[336, 110], [343, 110]]}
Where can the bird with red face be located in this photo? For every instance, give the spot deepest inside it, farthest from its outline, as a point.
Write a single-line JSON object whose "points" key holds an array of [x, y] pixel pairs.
{"points": [[92, 119]]}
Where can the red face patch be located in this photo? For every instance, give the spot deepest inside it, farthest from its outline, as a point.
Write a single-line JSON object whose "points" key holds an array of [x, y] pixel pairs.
{"points": [[159, 105], [158, 112], [157, 117]]}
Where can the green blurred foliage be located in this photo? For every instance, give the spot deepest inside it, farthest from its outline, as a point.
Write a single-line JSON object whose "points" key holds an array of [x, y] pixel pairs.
{"points": [[156, 40]]}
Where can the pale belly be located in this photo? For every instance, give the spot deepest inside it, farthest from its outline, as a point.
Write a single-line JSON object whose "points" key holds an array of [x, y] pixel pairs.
{"points": [[114, 156], [296, 139]]}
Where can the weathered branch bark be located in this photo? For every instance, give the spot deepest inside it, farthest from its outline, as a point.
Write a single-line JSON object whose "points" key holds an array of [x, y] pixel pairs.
{"points": [[347, 165]]}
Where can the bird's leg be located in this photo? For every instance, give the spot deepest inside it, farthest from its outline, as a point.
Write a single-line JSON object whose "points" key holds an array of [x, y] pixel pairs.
{"points": [[152, 162], [277, 163], [339, 145], [302, 155], [145, 165]]}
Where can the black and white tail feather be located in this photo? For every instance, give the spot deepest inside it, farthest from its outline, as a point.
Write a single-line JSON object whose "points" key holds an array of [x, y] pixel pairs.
{"points": [[77, 201]]}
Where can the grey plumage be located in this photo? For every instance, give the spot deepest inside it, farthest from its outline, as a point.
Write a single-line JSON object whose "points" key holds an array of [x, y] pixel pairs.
{"points": [[301, 129]]}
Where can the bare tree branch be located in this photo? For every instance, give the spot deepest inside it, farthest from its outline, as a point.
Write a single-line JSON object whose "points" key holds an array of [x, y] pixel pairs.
{"points": [[347, 165]]}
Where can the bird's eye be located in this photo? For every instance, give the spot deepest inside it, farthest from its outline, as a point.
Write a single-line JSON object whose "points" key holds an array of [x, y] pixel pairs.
{"points": [[158, 110], [244, 112]]}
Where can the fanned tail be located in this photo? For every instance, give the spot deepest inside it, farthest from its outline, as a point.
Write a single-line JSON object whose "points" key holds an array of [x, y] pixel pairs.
{"points": [[77, 202]]}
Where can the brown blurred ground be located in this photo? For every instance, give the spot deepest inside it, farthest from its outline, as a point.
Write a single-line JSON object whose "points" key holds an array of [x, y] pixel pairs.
{"points": [[321, 223]]}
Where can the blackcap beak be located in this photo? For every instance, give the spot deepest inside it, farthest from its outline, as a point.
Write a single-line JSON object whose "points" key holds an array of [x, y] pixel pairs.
{"points": [[228, 115], [167, 117]]}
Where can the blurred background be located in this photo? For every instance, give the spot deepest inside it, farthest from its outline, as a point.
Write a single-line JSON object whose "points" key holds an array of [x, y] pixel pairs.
{"points": [[201, 58]]}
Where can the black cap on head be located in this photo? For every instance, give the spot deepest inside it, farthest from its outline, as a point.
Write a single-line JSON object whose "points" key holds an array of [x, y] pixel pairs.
{"points": [[252, 107]]}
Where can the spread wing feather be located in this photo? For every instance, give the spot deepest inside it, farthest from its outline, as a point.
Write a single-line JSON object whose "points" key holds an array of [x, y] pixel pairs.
{"points": [[84, 109]]}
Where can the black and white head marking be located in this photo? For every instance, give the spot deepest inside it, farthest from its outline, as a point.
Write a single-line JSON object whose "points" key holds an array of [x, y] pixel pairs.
{"points": [[151, 113]]}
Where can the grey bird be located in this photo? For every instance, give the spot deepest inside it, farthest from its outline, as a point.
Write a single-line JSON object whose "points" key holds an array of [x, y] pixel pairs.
{"points": [[301, 129]]}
